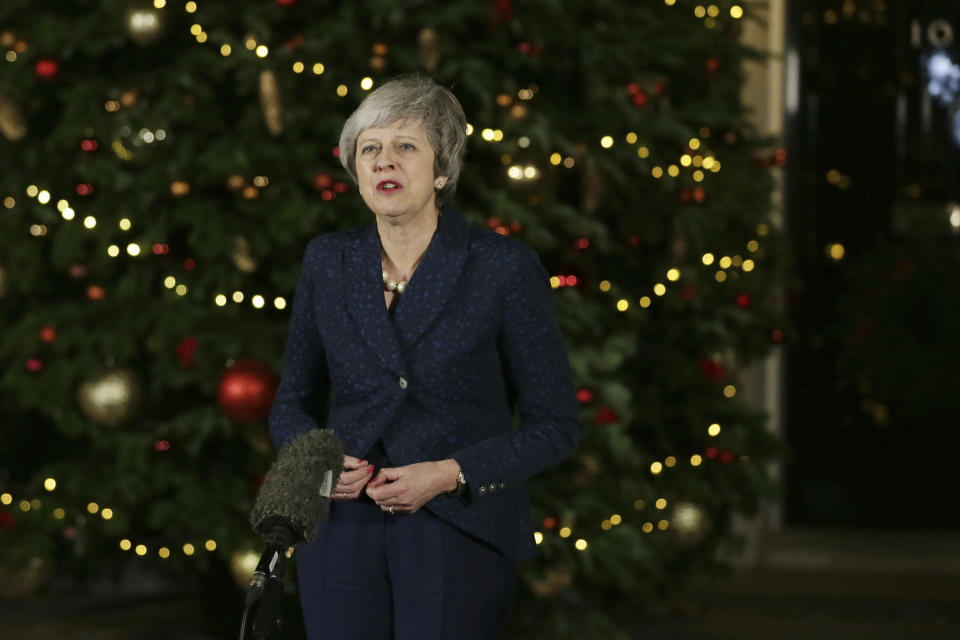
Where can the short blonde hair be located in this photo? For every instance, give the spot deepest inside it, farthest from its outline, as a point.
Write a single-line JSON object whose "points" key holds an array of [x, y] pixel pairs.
{"points": [[415, 98]]}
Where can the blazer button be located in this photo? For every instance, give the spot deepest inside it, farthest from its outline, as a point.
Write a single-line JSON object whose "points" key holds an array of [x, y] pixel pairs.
{"points": [[492, 486], [501, 485], [402, 382], [483, 490]]}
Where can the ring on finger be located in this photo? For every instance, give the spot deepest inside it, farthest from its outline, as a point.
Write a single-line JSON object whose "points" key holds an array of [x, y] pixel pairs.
{"points": [[391, 509]]}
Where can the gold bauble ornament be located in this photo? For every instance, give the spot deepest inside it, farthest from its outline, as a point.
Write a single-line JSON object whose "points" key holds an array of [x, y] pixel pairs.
{"points": [[144, 24], [129, 98], [111, 397], [270, 102], [236, 182], [689, 524], [12, 124], [428, 44], [241, 255], [242, 566]]}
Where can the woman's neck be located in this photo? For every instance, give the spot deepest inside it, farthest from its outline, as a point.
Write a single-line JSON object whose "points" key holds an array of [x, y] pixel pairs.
{"points": [[405, 242]]}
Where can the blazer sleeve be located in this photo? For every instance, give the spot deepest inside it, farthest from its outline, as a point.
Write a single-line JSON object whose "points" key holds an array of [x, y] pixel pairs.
{"points": [[537, 367], [305, 374]]}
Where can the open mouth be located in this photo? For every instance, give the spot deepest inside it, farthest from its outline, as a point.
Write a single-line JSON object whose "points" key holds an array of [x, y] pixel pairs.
{"points": [[388, 186]]}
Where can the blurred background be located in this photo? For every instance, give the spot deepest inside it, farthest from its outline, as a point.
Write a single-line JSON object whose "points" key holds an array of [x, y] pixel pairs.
{"points": [[750, 217]]}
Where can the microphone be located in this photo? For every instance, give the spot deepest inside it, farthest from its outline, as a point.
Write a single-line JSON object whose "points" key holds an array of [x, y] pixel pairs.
{"points": [[293, 501]]}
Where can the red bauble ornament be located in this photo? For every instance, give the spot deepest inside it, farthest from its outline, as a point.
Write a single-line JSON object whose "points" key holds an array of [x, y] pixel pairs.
{"points": [[712, 452], [711, 369], [640, 99], [286, 3], [48, 334], [185, 351], [504, 9], [322, 181], [34, 365], [294, 42], [726, 457], [689, 292], [777, 335], [585, 395], [47, 68], [743, 300], [606, 415], [246, 390], [7, 521]]}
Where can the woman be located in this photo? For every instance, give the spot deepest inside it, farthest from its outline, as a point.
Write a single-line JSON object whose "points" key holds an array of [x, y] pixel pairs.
{"points": [[427, 331]]}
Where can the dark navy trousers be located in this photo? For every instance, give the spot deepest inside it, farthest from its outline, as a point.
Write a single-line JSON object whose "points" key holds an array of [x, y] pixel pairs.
{"points": [[370, 575]]}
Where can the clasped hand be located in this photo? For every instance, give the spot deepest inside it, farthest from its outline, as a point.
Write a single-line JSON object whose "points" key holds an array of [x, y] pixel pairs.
{"points": [[405, 488]]}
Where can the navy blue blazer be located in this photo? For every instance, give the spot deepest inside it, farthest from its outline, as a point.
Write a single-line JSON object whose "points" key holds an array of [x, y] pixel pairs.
{"points": [[473, 331]]}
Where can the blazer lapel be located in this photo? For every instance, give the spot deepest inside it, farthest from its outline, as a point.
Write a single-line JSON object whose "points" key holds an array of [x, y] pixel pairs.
{"points": [[434, 281], [362, 271]]}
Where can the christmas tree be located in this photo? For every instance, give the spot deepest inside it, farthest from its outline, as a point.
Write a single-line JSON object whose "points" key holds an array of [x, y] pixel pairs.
{"points": [[165, 167]]}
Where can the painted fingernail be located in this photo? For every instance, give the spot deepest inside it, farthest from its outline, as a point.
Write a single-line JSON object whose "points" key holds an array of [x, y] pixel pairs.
{"points": [[369, 469]]}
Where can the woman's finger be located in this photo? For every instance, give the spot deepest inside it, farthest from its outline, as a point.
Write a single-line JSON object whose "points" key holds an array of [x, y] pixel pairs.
{"points": [[353, 486], [350, 477], [349, 462]]}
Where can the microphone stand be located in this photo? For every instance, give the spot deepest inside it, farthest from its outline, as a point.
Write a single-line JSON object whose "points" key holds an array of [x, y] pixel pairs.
{"points": [[268, 621], [267, 586]]}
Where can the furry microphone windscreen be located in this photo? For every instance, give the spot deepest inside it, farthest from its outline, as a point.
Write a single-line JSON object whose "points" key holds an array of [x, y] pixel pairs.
{"points": [[297, 487]]}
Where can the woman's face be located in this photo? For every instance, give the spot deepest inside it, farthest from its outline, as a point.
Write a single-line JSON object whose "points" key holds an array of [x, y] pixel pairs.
{"points": [[395, 170]]}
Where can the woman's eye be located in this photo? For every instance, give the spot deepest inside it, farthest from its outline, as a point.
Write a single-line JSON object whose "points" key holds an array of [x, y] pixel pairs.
{"points": [[406, 145], [368, 148]]}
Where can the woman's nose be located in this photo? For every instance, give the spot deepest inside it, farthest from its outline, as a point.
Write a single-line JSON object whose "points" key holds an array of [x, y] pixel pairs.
{"points": [[385, 161]]}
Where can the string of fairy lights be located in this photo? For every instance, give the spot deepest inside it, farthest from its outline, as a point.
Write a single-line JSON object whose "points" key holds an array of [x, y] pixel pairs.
{"points": [[95, 509], [695, 160]]}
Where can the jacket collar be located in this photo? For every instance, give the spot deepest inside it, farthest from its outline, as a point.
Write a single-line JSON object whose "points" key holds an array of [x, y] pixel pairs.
{"points": [[432, 285]]}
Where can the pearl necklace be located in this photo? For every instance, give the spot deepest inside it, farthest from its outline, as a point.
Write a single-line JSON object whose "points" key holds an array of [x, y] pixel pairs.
{"points": [[393, 285]]}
